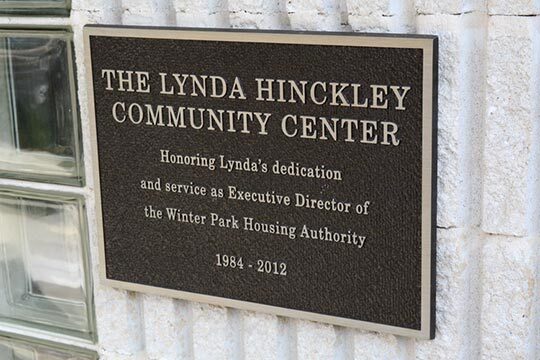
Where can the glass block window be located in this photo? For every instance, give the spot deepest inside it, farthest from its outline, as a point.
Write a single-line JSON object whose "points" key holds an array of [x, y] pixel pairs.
{"points": [[35, 7], [39, 126], [22, 349], [44, 273]]}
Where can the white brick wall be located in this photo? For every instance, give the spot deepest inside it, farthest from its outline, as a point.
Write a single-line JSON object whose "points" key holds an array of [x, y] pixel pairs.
{"points": [[488, 201]]}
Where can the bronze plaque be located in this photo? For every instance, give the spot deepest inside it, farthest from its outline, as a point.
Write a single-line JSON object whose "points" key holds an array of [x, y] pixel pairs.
{"points": [[291, 173]]}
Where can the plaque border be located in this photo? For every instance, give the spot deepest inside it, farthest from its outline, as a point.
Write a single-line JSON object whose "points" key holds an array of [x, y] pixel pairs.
{"points": [[429, 45]]}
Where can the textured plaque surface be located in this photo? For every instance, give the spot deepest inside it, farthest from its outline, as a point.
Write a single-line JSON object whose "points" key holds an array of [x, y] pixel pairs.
{"points": [[314, 199]]}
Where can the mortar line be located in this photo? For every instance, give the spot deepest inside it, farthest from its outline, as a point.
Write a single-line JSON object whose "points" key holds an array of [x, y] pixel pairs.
{"points": [[533, 173], [533, 181]]}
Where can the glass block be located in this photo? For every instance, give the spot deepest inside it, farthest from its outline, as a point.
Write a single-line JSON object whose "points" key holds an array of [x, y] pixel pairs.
{"points": [[44, 263], [39, 126], [35, 7], [26, 349]]}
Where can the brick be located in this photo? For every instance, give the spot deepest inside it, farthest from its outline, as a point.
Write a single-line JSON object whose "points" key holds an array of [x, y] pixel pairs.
{"points": [[210, 332], [315, 340], [382, 16], [344, 345], [287, 342], [508, 281], [315, 15], [261, 336], [369, 345], [235, 334], [508, 125], [97, 11], [403, 16], [258, 14], [162, 327], [369, 16], [137, 12], [447, 28], [516, 7], [119, 322], [450, 6], [458, 297], [143, 12], [461, 110], [201, 13], [107, 355]]}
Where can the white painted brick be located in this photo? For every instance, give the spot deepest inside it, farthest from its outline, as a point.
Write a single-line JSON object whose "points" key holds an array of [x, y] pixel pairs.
{"points": [[184, 310], [235, 334], [461, 109], [396, 16], [97, 11], [258, 14], [368, 345], [508, 124], [107, 355], [450, 6], [163, 12], [162, 327], [315, 340], [508, 280], [144, 12], [471, 121], [261, 336], [287, 339], [137, 12], [458, 297], [120, 326], [320, 6], [369, 16], [201, 13], [324, 15], [447, 29], [403, 19], [369, 8], [533, 179], [210, 332], [514, 7], [345, 343]]}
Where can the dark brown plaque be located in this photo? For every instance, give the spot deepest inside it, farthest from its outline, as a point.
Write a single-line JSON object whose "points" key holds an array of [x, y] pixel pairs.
{"points": [[290, 173]]}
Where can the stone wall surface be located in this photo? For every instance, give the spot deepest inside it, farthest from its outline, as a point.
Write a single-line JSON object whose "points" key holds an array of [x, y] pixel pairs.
{"points": [[488, 201]]}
